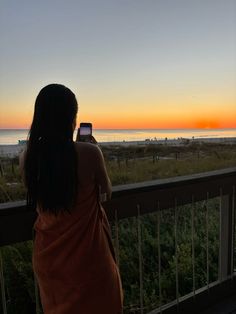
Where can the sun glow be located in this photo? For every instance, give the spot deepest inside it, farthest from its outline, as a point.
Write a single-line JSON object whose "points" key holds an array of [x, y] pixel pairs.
{"points": [[130, 120]]}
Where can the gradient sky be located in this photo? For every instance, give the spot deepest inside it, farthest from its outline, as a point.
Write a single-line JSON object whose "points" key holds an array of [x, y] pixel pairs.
{"points": [[131, 63]]}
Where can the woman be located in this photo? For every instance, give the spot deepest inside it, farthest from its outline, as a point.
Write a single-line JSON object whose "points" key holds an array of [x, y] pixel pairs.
{"points": [[73, 256]]}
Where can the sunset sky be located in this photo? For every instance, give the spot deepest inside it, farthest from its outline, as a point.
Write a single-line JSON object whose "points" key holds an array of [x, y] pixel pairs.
{"points": [[131, 63]]}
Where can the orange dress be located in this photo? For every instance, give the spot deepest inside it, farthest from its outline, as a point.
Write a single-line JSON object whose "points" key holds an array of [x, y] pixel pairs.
{"points": [[74, 260]]}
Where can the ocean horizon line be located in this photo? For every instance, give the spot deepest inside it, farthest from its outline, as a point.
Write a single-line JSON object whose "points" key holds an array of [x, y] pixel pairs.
{"points": [[206, 129], [13, 136]]}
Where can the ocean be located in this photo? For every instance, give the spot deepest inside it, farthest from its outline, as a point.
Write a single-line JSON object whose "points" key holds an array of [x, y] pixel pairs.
{"points": [[12, 136]]}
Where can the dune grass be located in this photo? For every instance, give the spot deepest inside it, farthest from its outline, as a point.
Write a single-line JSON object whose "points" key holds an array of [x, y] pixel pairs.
{"points": [[138, 169], [137, 164]]}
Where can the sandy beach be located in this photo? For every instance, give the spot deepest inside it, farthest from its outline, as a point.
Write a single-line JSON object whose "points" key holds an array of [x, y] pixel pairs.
{"points": [[172, 142], [12, 151]]}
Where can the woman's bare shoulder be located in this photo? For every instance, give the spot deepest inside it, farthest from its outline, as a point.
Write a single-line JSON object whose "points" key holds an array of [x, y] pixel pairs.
{"points": [[87, 149]]}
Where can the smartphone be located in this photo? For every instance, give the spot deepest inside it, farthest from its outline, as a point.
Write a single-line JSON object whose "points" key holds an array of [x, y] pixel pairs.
{"points": [[84, 132]]}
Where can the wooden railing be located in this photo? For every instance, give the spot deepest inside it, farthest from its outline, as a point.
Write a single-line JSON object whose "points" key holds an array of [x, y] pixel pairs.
{"points": [[136, 200]]}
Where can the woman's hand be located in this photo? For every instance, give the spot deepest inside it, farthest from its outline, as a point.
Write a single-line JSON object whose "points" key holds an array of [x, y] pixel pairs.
{"points": [[87, 138], [93, 140]]}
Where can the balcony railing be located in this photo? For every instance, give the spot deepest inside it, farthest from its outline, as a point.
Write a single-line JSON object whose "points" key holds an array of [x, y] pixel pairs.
{"points": [[202, 199]]}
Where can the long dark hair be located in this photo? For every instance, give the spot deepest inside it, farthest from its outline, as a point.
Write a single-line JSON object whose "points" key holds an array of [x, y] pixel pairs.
{"points": [[50, 162]]}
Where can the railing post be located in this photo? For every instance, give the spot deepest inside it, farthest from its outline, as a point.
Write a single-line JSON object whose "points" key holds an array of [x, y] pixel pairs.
{"points": [[207, 239], [226, 231], [193, 242], [233, 233], [159, 255], [117, 245], [37, 296], [176, 253], [2, 286], [140, 260]]}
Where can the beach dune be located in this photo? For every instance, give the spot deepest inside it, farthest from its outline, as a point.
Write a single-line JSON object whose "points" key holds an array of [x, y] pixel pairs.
{"points": [[11, 150], [14, 150]]}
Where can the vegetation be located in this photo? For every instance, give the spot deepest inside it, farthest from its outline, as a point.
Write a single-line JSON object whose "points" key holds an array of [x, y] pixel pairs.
{"points": [[127, 165], [129, 254], [136, 164]]}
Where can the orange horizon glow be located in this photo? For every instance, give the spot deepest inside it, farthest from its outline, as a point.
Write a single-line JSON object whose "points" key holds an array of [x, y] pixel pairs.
{"points": [[129, 118], [135, 124], [174, 70]]}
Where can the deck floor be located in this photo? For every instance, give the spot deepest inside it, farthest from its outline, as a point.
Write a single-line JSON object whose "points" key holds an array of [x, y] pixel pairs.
{"points": [[227, 306]]}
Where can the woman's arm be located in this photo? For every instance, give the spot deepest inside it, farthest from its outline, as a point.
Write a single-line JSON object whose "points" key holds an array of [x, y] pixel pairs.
{"points": [[101, 176]]}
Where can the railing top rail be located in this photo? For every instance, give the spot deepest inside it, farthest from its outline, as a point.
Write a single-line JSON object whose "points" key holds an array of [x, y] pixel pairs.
{"points": [[173, 181], [175, 185], [11, 205]]}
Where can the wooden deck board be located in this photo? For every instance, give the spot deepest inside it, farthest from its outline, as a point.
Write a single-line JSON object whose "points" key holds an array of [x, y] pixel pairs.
{"points": [[227, 306]]}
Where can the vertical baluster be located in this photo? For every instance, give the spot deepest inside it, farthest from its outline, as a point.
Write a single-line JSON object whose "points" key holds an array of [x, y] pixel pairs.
{"points": [[220, 237], [193, 244], [2, 284], [37, 297], [225, 235], [36, 288], [140, 260], [159, 254], [176, 253], [207, 239], [233, 233], [117, 244]]}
